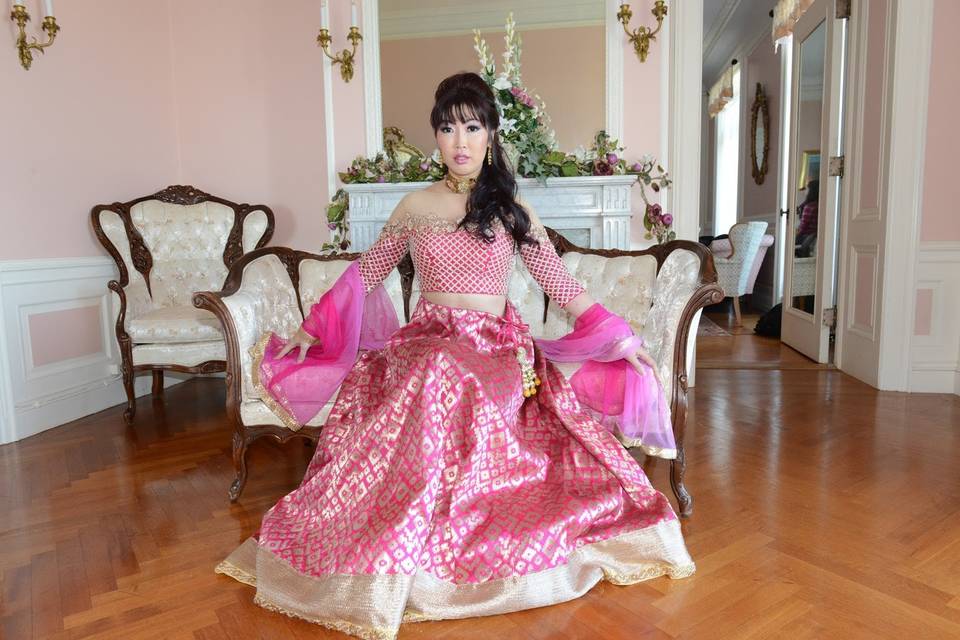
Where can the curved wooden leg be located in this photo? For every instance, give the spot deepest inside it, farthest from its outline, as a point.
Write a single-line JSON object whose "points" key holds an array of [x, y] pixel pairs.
{"points": [[736, 311], [126, 368], [240, 464], [684, 499]]}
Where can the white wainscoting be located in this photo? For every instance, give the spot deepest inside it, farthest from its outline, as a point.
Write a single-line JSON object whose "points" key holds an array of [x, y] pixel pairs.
{"points": [[34, 398], [935, 357]]}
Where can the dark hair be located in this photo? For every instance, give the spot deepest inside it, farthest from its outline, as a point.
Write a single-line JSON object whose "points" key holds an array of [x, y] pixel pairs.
{"points": [[459, 98], [813, 192]]}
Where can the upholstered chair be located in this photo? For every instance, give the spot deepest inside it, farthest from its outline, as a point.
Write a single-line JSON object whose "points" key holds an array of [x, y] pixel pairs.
{"points": [[166, 246], [658, 291], [735, 268]]}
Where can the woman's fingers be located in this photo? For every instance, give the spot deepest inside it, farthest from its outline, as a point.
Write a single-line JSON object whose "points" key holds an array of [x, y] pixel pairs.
{"points": [[287, 348], [303, 352]]}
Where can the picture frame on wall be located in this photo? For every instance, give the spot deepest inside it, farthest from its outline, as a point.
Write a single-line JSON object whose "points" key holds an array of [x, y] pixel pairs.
{"points": [[809, 168]]}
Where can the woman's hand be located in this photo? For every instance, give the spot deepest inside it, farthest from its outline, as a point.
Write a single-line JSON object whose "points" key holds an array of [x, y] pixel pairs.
{"points": [[300, 339], [642, 356]]}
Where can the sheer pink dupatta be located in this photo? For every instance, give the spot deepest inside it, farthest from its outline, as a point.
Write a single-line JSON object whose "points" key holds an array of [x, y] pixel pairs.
{"points": [[633, 406], [343, 321]]}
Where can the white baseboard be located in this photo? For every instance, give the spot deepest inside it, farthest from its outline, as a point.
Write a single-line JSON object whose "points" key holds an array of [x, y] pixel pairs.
{"points": [[935, 356], [35, 398]]}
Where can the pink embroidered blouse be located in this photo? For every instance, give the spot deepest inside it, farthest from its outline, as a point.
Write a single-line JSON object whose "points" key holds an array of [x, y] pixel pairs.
{"points": [[451, 260]]}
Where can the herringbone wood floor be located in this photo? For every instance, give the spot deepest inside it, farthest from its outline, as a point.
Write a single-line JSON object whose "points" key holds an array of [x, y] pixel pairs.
{"points": [[824, 509]]}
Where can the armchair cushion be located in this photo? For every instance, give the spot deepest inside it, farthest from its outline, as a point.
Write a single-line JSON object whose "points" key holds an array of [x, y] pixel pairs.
{"points": [[174, 324]]}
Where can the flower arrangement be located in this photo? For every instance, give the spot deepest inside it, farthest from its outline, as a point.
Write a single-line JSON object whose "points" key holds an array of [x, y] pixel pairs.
{"points": [[530, 145]]}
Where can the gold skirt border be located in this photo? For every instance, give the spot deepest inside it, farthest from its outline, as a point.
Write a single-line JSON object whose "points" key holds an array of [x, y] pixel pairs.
{"points": [[372, 606]]}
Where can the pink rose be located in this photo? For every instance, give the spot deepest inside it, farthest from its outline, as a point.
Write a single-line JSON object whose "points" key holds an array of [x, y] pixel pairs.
{"points": [[425, 165], [381, 179], [601, 168], [612, 158], [667, 219], [636, 167]]}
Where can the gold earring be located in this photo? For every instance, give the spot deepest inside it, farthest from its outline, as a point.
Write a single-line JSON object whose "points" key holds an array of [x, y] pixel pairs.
{"points": [[490, 155]]}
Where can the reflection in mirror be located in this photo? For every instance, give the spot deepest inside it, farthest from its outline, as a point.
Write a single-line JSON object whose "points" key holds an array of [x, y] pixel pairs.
{"points": [[805, 216], [563, 42]]}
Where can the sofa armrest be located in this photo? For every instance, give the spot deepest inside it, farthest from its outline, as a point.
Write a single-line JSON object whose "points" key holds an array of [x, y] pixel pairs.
{"points": [[259, 297]]}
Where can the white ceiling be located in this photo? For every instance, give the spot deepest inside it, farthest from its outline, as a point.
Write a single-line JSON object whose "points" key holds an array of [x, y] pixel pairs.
{"points": [[727, 25]]}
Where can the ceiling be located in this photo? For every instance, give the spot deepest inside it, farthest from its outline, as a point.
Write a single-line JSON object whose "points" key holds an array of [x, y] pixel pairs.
{"points": [[728, 24]]}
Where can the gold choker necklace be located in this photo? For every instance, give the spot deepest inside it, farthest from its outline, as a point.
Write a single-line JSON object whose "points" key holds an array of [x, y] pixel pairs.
{"points": [[459, 185]]}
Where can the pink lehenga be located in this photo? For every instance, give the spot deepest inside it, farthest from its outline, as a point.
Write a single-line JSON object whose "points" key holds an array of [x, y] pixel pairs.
{"points": [[459, 473]]}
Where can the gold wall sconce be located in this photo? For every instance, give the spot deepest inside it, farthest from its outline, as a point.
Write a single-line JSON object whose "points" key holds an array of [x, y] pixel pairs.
{"points": [[344, 58], [21, 17], [642, 36]]}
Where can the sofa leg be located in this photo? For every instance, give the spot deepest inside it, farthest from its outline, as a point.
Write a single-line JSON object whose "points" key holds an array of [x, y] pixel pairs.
{"points": [[128, 376], [240, 464], [157, 382], [736, 310], [677, 468]]}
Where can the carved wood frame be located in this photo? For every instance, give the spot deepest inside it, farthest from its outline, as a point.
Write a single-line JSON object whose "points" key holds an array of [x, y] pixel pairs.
{"points": [[760, 109], [143, 263], [707, 292]]}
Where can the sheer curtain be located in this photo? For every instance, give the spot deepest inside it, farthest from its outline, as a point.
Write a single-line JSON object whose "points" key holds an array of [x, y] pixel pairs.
{"points": [[727, 161]]}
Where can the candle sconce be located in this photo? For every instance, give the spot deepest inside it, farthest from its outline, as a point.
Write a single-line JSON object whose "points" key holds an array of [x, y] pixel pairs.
{"points": [[344, 58], [642, 36], [50, 27]]}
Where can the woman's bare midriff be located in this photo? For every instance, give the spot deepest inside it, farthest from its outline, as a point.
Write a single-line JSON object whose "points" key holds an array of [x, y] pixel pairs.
{"points": [[474, 301]]}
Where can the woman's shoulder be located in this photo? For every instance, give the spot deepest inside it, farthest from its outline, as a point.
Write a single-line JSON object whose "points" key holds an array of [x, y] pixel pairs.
{"points": [[423, 208]]}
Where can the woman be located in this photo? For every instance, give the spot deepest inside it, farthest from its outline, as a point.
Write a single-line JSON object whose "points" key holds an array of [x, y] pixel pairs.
{"points": [[807, 211], [458, 474]]}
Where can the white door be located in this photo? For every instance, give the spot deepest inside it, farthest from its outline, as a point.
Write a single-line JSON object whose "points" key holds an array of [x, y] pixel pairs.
{"points": [[812, 195]]}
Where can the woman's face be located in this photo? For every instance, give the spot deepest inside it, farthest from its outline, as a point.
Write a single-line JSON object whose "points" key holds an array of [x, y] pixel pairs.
{"points": [[463, 146]]}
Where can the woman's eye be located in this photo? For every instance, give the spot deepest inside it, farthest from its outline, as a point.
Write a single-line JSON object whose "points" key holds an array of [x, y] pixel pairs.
{"points": [[473, 128], [445, 129]]}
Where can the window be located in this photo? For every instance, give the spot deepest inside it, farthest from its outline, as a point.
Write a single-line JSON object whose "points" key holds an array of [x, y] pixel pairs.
{"points": [[726, 192]]}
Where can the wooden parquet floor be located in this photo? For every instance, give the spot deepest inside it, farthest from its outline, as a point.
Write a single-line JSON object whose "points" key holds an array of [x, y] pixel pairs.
{"points": [[824, 509]]}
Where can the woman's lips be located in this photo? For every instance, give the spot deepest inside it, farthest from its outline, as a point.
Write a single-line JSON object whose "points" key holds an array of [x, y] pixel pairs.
{"points": [[460, 159]]}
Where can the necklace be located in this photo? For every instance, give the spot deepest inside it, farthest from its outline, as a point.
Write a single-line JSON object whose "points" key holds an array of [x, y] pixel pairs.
{"points": [[459, 185]]}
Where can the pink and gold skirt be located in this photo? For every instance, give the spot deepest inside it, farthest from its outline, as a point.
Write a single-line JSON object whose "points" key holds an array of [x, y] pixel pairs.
{"points": [[438, 490]]}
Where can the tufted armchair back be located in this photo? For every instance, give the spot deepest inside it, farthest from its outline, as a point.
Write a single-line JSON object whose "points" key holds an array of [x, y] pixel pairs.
{"points": [[733, 271], [177, 241]]}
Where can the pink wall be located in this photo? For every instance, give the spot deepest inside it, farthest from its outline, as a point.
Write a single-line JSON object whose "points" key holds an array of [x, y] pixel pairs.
{"points": [[573, 91], [763, 66], [249, 101], [642, 121], [92, 121], [941, 189]]}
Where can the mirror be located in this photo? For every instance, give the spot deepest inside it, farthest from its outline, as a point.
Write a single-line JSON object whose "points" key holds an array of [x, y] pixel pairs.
{"points": [[806, 198], [759, 135], [562, 59]]}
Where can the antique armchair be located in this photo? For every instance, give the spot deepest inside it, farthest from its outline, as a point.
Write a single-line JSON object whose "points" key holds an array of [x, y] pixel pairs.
{"points": [[166, 246]]}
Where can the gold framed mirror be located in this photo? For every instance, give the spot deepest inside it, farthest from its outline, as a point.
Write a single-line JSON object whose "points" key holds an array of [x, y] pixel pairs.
{"points": [[759, 135]]}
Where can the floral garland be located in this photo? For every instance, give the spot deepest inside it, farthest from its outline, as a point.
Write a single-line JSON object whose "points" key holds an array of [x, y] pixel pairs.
{"points": [[528, 141]]}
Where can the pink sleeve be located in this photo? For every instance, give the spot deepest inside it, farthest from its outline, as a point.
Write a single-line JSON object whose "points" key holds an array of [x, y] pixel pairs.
{"points": [[379, 260], [547, 268]]}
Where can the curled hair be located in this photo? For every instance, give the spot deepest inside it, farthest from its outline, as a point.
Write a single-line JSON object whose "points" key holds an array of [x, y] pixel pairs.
{"points": [[462, 97]]}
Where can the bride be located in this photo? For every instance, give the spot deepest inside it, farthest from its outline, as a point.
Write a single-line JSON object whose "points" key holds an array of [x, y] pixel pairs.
{"points": [[459, 472]]}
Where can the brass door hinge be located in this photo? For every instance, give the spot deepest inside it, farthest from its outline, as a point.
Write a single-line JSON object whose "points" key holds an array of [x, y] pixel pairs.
{"points": [[835, 168], [843, 9], [830, 317]]}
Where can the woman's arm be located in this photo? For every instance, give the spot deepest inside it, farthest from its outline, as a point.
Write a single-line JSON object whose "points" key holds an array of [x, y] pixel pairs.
{"points": [[374, 265]]}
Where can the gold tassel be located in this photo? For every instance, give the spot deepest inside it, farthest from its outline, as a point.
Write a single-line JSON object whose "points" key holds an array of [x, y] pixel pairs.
{"points": [[527, 373]]}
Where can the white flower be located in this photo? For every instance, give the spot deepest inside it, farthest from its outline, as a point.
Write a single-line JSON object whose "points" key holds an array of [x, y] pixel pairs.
{"points": [[507, 125], [580, 153], [502, 83], [647, 159], [435, 156]]}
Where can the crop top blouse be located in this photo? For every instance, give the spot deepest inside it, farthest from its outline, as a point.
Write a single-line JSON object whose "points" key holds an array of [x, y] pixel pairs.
{"points": [[448, 259]]}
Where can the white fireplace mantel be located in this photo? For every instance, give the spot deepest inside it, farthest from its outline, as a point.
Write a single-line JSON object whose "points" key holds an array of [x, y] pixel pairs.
{"points": [[590, 211]]}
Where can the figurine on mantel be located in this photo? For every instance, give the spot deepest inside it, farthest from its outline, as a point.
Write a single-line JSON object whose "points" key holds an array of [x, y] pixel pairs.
{"points": [[459, 472]]}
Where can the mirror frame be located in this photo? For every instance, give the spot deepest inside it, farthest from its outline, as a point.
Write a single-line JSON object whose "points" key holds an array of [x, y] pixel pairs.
{"points": [[759, 110], [373, 98]]}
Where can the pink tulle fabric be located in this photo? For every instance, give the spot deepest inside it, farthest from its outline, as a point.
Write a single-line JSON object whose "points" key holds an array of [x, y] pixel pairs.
{"points": [[629, 404], [343, 321]]}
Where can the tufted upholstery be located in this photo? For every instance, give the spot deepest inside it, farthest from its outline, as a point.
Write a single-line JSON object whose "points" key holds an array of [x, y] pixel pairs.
{"points": [[658, 291], [737, 270], [167, 246]]}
